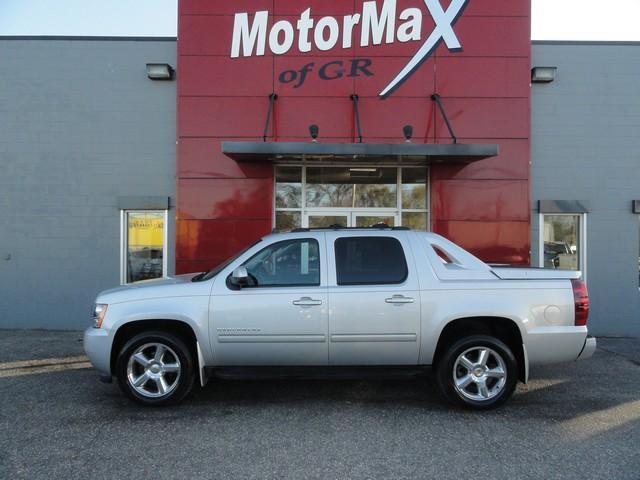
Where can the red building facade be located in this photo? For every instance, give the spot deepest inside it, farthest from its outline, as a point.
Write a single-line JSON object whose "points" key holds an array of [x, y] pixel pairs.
{"points": [[315, 56]]}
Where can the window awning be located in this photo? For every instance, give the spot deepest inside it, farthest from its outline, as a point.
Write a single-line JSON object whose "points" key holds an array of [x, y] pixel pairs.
{"points": [[414, 152]]}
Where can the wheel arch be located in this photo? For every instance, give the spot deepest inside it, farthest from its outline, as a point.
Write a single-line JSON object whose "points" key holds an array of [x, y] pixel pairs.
{"points": [[503, 328], [177, 327]]}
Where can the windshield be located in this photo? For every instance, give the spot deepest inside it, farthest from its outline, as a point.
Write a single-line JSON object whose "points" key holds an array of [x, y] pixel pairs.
{"points": [[214, 271]]}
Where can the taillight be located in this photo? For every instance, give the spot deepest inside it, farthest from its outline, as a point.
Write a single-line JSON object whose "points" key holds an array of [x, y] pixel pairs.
{"points": [[580, 301]]}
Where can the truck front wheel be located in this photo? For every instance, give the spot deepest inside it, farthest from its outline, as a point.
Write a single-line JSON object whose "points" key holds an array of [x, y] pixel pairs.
{"points": [[477, 371], [155, 368]]}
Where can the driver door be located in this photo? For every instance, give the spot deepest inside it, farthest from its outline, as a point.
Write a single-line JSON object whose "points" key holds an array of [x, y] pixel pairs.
{"points": [[280, 317]]}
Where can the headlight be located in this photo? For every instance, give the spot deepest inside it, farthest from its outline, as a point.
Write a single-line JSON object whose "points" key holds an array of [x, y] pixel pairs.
{"points": [[99, 311]]}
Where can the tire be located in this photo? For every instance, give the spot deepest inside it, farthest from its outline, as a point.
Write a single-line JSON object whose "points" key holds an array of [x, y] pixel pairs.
{"points": [[463, 361], [164, 359]]}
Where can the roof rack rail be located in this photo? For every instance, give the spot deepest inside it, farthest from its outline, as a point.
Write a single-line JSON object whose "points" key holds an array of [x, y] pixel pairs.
{"points": [[378, 226]]}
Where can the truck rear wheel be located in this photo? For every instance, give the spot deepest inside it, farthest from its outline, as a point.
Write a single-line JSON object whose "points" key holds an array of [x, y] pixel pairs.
{"points": [[155, 368], [477, 371]]}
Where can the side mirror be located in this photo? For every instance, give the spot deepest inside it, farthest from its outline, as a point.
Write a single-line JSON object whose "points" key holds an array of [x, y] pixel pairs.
{"points": [[240, 277]]}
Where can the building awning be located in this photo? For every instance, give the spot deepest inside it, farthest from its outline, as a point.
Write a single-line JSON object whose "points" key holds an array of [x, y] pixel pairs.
{"points": [[410, 152]]}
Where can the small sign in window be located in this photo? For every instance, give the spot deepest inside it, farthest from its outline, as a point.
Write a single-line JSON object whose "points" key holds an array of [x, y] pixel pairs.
{"points": [[144, 245]]}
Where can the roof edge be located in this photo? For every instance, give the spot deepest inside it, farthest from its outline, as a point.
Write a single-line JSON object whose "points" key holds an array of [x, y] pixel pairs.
{"points": [[586, 42]]}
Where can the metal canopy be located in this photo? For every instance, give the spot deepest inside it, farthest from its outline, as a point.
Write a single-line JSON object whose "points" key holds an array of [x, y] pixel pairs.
{"points": [[283, 151]]}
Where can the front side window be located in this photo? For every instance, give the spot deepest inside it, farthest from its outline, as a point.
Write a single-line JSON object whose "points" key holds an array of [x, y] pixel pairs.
{"points": [[143, 246], [286, 263], [562, 241], [369, 261]]}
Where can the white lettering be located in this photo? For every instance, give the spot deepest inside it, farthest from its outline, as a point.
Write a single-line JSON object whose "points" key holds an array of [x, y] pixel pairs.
{"points": [[375, 26], [348, 22], [248, 38], [304, 25], [277, 47], [325, 23], [412, 28], [444, 30]]}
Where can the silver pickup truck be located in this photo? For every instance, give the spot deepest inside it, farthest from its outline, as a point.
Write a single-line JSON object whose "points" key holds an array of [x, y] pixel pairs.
{"points": [[342, 303]]}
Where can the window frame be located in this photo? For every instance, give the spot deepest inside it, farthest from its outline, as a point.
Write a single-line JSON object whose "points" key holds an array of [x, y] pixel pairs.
{"points": [[582, 239], [350, 284], [124, 240], [292, 285]]}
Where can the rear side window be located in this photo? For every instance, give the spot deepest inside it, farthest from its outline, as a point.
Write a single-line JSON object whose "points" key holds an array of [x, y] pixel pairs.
{"points": [[370, 261]]}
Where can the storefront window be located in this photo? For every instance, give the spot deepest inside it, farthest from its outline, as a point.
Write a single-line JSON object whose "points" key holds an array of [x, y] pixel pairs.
{"points": [[351, 196], [562, 241], [289, 187], [143, 245], [286, 221], [414, 188], [351, 187], [416, 220]]}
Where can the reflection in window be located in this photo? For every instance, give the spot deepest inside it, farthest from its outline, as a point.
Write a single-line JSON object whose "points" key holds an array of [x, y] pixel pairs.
{"points": [[289, 187], [286, 221], [416, 220], [320, 196], [561, 236], [322, 221], [414, 188], [292, 262], [144, 245], [356, 187]]}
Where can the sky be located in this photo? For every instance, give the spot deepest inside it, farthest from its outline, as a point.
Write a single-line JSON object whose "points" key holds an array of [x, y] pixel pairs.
{"points": [[551, 19]]}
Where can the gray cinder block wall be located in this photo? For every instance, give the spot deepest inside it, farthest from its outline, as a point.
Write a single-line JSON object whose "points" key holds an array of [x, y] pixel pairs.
{"points": [[586, 147], [80, 126]]}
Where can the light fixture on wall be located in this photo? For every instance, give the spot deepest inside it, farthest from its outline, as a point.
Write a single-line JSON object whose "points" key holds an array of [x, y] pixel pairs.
{"points": [[407, 131], [636, 206], [543, 74], [313, 131], [160, 71]]}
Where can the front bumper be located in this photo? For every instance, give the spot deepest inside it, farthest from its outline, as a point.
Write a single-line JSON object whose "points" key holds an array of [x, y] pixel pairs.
{"points": [[588, 349], [97, 346]]}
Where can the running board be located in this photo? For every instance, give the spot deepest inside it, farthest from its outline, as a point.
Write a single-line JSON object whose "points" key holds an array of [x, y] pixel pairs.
{"points": [[322, 372]]}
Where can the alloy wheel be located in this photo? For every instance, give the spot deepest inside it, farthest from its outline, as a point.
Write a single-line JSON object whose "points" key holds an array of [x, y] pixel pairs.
{"points": [[479, 374], [153, 370]]}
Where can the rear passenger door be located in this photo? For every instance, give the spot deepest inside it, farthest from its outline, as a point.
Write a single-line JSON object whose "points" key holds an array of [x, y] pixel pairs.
{"points": [[374, 303]]}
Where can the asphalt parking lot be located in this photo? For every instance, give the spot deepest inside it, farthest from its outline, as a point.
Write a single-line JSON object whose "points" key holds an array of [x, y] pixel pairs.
{"points": [[577, 420]]}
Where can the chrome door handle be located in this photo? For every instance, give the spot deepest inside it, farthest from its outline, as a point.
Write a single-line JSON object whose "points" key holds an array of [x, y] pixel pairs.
{"points": [[399, 299], [307, 302]]}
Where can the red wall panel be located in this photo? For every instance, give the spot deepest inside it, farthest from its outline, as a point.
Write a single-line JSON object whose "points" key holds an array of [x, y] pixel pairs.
{"points": [[236, 198], [215, 76], [512, 163], [493, 242], [485, 91], [202, 157], [222, 116], [491, 37], [495, 77], [478, 118], [481, 201]]}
